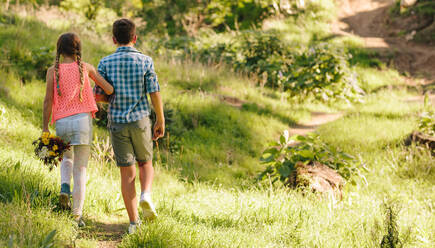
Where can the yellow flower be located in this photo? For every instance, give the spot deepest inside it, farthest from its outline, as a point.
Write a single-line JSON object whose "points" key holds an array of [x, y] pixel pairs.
{"points": [[45, 141], [51, 153], [52, 136], [45, 134], [55, 147]]}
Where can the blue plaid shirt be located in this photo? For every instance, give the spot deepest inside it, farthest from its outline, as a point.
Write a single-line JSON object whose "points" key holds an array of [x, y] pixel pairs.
{"points": [[132, 75]]}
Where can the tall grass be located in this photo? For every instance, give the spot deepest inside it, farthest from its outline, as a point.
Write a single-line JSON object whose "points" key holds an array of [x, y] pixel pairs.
{"points": [[205, 191]]}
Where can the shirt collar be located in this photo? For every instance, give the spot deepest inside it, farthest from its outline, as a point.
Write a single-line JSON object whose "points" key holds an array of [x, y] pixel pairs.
{"points": [[126, 49]]}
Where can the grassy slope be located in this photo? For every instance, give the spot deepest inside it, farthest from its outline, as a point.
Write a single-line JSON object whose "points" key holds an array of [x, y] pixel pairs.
{"points": [[204, 191]]}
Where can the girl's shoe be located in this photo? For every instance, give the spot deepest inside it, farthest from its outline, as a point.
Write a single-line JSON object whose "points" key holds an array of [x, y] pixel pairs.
{"points": [[65, 192], [133, 227], [79, 221]]}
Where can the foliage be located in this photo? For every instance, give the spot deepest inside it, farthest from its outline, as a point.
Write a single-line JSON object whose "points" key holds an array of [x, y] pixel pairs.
{"points": [[93, 14], [391, 239], [319, 72], [422, 10], [323, 73], [427, 123], [427, 119], [31, 63], [177, 17], [281, 157]]}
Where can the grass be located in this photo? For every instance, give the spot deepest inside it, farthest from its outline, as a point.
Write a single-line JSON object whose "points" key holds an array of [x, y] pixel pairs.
{"points": [[205, 191]]}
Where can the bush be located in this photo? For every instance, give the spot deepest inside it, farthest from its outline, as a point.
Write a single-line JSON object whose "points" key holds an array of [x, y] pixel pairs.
{"points": [[426, 123], [187, 17], [320, 72], [281, 157], [31, 63]]}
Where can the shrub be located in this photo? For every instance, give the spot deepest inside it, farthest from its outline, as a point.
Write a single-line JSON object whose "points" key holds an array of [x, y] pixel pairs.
{"points": [[427, 118], [323, 73], [427, 123], [282, 156], [30, 63], [320, 72], [188, 17]]}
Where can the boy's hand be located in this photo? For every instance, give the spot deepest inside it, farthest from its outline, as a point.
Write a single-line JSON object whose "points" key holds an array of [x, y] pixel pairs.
{"points": [[159, 130]]}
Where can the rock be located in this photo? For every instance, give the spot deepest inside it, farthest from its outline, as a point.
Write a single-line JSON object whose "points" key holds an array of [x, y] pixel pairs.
{"points": [[410, 36], [407, 3], [422, 139], [318, 177]]}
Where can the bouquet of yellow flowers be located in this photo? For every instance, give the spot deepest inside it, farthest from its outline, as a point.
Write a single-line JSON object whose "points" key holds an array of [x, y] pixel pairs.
{"points": [[50, 148]]}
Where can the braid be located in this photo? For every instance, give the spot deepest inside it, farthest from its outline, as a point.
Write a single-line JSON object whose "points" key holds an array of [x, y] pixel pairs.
{"points": [[56, 70], [79, 63]]}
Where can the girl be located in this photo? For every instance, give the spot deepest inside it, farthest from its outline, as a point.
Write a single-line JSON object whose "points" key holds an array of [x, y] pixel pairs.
{"points": [[70, 101]]}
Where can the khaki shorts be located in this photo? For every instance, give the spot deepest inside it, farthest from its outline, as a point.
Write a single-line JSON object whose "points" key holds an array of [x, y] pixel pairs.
{"points": [[132, 142]]}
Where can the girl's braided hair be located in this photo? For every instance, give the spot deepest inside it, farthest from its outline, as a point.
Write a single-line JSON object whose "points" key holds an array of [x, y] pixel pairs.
{"points": [[69, 44]]}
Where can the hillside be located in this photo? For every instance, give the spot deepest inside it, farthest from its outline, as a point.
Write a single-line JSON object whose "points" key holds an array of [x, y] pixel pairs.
{"points": [[221, 121]]}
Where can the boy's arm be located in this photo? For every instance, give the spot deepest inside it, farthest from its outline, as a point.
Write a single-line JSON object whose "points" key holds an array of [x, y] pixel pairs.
{"points": [[153, 88], [159, 126]]}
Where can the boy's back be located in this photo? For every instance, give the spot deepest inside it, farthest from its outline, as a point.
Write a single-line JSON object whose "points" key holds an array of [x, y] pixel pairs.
{"points": [[132, 75]]}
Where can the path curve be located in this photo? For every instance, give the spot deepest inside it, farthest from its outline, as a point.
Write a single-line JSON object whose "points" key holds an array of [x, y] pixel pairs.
{"points": [[369, 19]]}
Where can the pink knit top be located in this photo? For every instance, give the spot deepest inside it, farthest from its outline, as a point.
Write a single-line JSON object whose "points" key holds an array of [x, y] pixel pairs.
{"points": [[68, 103]]}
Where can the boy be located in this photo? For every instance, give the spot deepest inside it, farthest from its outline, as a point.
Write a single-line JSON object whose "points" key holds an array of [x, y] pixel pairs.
{"points": [[132, 75]]}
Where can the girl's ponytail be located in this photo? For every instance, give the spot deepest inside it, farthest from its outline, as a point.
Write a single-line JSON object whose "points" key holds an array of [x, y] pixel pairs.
{"points": [[79, 63], [56, 72]]}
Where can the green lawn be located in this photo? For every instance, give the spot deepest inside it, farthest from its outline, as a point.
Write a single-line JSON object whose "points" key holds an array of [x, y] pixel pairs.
{"points": [[205, 189]]}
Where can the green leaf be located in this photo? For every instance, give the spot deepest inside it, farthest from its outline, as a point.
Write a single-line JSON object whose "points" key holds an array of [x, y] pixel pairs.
{"points": [[271, 150], [267, 159], [307, 154], [284, 171], [48, 241], [282, 140]]}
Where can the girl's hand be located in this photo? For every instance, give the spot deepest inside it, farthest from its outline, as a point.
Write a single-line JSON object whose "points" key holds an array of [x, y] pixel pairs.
{"points": [[99, 80]]}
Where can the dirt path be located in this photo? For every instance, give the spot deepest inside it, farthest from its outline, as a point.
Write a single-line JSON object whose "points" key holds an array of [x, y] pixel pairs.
{"points": [[317, 119], [369, 19], [109, 235]]}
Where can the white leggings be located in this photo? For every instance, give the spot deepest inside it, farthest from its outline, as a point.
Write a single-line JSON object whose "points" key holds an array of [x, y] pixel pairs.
{"points": [[75, 160]]}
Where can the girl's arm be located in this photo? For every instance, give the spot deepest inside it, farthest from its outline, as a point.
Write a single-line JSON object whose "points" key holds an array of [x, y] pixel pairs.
{"points": [[99, 80], [48, 101]]}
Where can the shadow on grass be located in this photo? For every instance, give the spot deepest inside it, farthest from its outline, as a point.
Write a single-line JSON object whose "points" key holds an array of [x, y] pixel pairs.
{"points": [[259, 110], [19, 183]]}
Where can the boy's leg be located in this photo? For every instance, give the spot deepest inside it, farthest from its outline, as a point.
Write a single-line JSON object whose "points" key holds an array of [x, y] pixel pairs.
{"points": [[146, 175], [128, 175], [124, 155], [143, 149]]}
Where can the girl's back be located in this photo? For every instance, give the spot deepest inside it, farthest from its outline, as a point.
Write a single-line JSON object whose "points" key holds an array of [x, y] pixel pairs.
{"points": [[69, 101]]}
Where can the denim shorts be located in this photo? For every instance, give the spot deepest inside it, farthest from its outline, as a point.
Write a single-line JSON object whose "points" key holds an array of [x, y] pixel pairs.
{"points": [[132, 142], [76, 129]]}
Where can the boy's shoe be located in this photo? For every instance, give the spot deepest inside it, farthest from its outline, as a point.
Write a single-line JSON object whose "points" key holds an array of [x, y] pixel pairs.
{"points": [[133, 227], [148, 209], [79, 221], [65, 192]]}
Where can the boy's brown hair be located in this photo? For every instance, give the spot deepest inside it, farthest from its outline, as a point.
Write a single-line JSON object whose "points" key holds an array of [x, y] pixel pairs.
{"points": [[124, 31]]}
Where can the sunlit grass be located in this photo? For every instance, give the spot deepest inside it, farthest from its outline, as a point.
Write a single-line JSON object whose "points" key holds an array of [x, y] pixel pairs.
{"points": [[205, 189]]}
